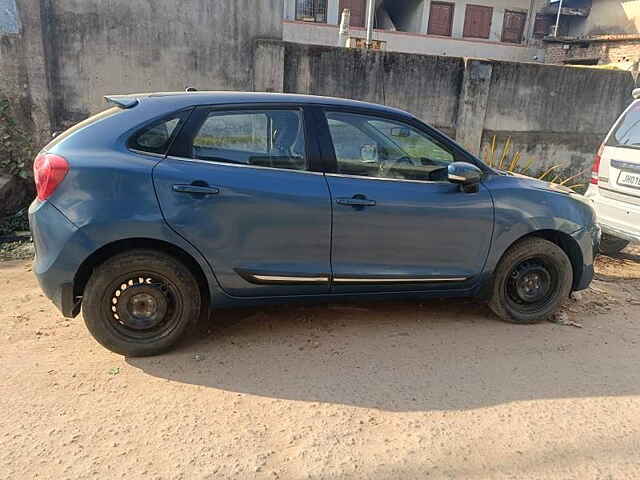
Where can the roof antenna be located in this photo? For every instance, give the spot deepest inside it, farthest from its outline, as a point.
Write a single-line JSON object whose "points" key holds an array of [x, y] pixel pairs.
{"points": [[190, 89]]}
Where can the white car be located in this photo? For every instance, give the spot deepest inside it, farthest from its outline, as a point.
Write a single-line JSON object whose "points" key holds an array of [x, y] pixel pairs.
{"points": [[615, 182]]}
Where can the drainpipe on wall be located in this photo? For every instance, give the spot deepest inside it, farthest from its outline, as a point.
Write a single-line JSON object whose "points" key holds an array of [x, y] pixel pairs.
{"points": [[555, 32], [343, 38], [371, 9]]}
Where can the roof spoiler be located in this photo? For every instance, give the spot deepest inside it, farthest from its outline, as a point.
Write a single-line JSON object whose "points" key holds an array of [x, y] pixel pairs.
{"points": [[122, 101], [636, 93]]}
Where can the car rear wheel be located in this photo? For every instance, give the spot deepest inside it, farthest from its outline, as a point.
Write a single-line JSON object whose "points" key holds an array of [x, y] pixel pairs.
{"points": [[531, 282], [139, 303], [610, 245]]}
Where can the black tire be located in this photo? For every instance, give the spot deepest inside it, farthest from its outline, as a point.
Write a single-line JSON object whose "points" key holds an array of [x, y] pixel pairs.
{"points": [[531, 282], [610, 245], [140, 303]]}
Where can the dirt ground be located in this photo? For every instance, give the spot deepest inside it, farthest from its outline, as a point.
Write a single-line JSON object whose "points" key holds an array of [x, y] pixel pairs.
{"points": [[387, 391]]}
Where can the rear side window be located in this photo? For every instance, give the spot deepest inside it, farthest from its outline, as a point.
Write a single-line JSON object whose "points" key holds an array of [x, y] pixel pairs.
{"points": [[245, 132], [266, 138], [627, 133], [156, 138]]}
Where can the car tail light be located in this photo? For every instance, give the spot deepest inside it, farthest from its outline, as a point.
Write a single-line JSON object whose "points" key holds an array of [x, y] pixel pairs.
{"points": [[595, 170], [48, 171]]}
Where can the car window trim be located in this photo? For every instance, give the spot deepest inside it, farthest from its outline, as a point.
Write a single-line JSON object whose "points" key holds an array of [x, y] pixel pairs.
{"points": [[200, 113], [320, 151], [382, 179], [326, 155], [150, 154], [239, 165]]}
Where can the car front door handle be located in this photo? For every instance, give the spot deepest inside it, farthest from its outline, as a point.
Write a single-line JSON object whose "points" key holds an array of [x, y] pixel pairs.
{"points": [[356, 201], [196, 189]]}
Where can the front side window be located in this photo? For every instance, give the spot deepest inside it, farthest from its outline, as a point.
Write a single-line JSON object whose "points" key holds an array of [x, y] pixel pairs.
{"points": [[627, 132], [382, 148], [269, 138], [156, 137]]}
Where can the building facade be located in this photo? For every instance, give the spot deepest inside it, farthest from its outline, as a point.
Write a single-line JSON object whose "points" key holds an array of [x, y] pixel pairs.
{"points": [[495, 29], [595, 32]]}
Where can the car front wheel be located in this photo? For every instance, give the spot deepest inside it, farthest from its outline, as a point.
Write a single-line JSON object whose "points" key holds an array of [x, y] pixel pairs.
{"points": [[531, 282], [139, 303]]}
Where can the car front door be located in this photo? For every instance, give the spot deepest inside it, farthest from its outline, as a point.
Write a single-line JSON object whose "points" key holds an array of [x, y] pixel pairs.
{"points": [[238, 185], [398, 223]]}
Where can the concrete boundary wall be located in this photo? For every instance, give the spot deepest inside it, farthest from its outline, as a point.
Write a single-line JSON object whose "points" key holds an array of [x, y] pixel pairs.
{"points": [[553, 115], [23, 72], [60, 57], [422, 84]]}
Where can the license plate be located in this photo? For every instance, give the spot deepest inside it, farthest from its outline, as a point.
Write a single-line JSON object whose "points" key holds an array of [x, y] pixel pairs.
{"points": [[629, 179]]}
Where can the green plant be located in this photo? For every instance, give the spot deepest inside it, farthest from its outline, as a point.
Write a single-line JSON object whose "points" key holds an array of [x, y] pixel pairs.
{"points": [[15, 223], [16, 145], [510, 162]]}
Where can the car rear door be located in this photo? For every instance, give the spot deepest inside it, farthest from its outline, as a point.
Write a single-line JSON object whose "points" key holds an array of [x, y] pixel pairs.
{"points": [[238, 184], [398, 224]]}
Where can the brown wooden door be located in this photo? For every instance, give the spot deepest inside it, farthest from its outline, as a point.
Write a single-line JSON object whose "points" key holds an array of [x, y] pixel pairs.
{"points": [[513, 28], [477, 21], [358, 11], [440, 19], [541, 26]]}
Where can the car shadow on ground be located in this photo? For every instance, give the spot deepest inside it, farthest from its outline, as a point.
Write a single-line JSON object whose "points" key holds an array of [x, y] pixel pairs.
{"points": [[404, 356], [632, 256]]}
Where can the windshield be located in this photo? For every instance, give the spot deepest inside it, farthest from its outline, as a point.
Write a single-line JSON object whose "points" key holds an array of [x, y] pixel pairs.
{"points": [[627, 132]]}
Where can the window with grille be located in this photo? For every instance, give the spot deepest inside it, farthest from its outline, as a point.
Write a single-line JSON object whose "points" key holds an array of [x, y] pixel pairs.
{"points": [[311, 10]]}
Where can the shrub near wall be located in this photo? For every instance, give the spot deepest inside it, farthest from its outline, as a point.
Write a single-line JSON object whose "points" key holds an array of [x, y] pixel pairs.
{"points": [[16, 179]]}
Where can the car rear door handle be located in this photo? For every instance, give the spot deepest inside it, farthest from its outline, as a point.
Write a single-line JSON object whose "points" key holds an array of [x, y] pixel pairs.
{"points": [[356, 201], [196, 189]]}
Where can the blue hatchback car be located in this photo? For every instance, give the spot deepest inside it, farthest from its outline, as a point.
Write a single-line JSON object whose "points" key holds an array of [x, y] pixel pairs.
{"points": [[168, 205]]}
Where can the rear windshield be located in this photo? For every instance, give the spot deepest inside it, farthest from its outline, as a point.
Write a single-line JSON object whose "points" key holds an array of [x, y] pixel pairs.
{"points": [[67, 133], [627, 132]]}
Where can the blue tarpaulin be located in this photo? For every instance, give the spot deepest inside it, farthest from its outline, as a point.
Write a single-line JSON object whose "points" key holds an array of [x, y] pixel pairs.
{"points": [[9, 20]]}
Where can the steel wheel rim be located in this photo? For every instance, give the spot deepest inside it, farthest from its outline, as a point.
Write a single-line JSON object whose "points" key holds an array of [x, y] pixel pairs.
{"points": [[532, 285], [143, 306]]}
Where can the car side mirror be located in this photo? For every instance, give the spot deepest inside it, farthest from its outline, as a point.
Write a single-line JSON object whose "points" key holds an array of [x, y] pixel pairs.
{"points": [[467, 175]]}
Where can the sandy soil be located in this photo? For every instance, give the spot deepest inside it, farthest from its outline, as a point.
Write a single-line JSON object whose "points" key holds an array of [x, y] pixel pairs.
{"points": [[397, 391]]}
